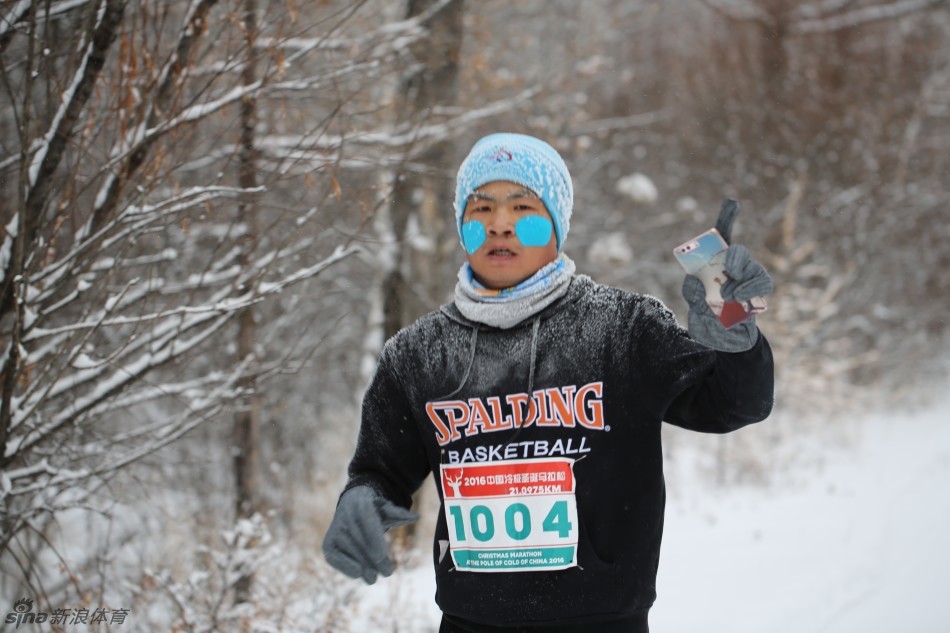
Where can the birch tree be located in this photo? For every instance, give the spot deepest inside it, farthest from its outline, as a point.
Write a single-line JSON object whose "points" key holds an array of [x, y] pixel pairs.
{"points": [[248, 414]]}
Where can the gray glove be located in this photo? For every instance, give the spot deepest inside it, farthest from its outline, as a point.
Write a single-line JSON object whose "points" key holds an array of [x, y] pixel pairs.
{"points": [[747, 279], [355, 543]]}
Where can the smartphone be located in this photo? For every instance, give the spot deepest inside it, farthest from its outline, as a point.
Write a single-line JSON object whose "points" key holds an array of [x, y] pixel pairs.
{"points": [[704, 257]]}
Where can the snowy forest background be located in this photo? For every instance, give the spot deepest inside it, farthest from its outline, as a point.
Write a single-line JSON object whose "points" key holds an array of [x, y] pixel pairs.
{"points": [[213, 213]]}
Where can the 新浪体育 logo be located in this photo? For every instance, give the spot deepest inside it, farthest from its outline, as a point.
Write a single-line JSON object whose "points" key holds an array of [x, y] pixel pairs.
{"points": [[23, 613]]}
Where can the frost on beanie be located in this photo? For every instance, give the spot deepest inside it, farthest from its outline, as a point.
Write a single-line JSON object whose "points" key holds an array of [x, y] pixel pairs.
{"points": [[524, 160]]}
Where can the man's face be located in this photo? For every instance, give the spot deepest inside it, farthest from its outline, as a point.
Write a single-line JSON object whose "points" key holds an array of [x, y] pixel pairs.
{"points": [[503, 261]]}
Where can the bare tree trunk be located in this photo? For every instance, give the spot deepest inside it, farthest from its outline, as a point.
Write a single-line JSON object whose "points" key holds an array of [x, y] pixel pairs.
{"points": [[37, 181], [11, 365], [415, 193], [247, 416]]}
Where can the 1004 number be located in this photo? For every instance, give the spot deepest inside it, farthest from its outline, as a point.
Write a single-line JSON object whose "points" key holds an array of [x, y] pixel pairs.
{"points": [[517, 521]]}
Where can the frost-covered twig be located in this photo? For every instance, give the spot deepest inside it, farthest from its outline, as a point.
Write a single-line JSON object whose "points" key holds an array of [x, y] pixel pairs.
{"points": [[202, 598], [130, 222]]}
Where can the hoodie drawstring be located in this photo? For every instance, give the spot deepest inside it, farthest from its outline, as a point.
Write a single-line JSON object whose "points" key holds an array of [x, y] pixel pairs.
{"points": [[473, 345], [468, 370], [535, 328], [534, 354]]}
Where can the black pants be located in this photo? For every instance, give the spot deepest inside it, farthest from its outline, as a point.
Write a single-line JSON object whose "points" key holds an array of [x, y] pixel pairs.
{"points": [[633, 624]]}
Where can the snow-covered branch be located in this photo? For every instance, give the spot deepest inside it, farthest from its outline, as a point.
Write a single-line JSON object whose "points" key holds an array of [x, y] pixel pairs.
{"points": [[44, 476], [201, 110], [383, 147], [11, 17], [619, 123], [394, 37], [92, 53], [132, 220], [135, 146], [822, 8], [18, 11], [825, 16], [739, 10], [156, 346], [222, 304], [863, 15]]}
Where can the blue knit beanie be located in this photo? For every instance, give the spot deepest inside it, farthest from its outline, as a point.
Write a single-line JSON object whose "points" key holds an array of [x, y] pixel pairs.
{"points": [[524, 160]]}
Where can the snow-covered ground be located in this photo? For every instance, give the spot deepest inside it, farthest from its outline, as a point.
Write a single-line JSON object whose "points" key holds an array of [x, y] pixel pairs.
{"points": [[860, 544]]}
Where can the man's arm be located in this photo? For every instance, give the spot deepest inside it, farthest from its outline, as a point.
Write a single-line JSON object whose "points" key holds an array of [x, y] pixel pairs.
{"points": [[691, 385], [390, 456], [389, 464], [728, 390], [735, 386]]}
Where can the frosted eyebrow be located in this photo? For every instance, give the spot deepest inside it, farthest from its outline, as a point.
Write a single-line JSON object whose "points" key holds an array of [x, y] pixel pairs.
{"points": [[514, 195], [481, 196], [522, 193]]}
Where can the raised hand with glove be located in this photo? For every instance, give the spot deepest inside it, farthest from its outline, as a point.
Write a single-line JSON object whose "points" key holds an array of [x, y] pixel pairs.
{"points": [[355, 543], [747, 279]]}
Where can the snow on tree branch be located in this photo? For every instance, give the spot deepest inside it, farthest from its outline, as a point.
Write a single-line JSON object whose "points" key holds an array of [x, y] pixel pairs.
{"points": [[223, 303], [201, 110], [739, 10], [132, 219], [825, 16], [384, 40], [137, 143], [11, 18], [74, 98], [864, 15], [383, 147], [822, 8]]}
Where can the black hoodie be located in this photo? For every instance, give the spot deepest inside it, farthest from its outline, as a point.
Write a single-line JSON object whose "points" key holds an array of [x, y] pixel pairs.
{"points": [[560, 413]]}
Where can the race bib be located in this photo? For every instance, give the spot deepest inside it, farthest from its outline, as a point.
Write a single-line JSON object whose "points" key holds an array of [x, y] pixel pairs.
{"points": [[517, 515]]}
